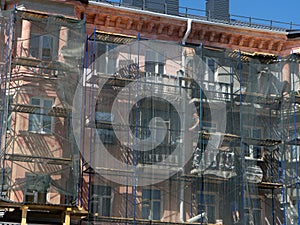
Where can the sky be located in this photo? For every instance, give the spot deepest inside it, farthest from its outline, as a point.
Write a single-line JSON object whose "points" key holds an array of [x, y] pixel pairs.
{"points": [[277, 10]]}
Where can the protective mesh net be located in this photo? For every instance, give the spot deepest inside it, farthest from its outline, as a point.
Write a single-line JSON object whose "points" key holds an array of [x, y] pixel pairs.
{"points": [[165, 133], [203, 133], [42, 60]]}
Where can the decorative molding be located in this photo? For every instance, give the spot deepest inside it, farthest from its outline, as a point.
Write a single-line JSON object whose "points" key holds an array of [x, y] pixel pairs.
{"points": [[172, 29], [160, 28]]}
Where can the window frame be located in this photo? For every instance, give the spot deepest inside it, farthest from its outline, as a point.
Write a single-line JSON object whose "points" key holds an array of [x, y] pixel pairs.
{"points": [[108, 55], [38, 38], [150, 204], [205, 205], [294, 153], [158, 129], [106, 134], [251, 149], [9, 120], [97, 199], [211, 74], [31, 192], [155, 62], [258, 222], [41, 115], [294, 149]]}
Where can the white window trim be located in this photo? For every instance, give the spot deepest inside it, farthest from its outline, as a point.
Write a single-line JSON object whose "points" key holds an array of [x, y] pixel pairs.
{"points": [[151, 202], [297, 149], [99, 58], [100, 198], [251, 147], [261, 205], [158, 129], [34, 192], [206, 77], [42, 108], [159, 58], [215, 205], [54, 52]]}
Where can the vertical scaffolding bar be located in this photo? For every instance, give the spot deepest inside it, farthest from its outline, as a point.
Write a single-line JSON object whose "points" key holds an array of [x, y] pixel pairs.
{"points": [[295, 134], [5, 87], [242, 145], [283, 159], [136, 147], [83, 112], [200, 130], [91, 114]]}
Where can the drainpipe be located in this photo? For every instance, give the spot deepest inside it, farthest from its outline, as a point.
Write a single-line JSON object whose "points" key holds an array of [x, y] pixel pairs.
{"points": [[188, 31], [196, 218], [181, 206]]}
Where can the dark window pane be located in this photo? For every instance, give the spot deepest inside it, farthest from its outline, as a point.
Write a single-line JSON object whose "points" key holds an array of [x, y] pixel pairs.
{"points": [[35, 101], [145, 211], [156, 210], [156, 194], [146, 194], [150, 67], [34, 45], [34, 122], [106, 206]]}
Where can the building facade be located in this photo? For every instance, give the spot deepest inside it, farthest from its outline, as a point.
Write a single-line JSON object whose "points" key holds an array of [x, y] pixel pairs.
{"points": [[121, 113]]}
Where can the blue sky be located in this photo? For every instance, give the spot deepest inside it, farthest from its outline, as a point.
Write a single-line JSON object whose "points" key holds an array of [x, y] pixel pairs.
{"points": [[278, 10]]}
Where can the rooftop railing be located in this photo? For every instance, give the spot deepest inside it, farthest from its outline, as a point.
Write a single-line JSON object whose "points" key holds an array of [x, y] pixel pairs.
{"points": [[200, 14]]}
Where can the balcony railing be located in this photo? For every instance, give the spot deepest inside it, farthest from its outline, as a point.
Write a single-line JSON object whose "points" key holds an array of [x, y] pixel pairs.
{"points": [[200, 14], [164, 159]]}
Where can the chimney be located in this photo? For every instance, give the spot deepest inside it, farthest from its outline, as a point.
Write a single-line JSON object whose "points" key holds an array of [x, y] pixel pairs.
{"points": [[161, 6], [217, 9]]}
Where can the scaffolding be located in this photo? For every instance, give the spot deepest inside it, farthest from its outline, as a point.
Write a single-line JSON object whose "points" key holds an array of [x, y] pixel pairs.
{"points": [[202, 132], [137, 131], [41, 61]]}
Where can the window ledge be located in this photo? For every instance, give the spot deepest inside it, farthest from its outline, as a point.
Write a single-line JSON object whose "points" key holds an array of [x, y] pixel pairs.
{"points": [[27, 132]]}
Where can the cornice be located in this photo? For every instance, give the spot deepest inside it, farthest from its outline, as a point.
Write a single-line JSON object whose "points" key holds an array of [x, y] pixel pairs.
{"points": [[153, 26]]}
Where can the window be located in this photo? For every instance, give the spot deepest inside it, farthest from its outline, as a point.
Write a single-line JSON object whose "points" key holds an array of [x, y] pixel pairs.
{"points": [[253, 151], [9, 112], [154, 62], [151, 204], [253, 211], [109, 56], [211, 69], [105, 132], [294, 149], [43, 46], [158, 128], [104, 117], [39, 121], [36, 188], [107, 136], [101, 200], [199, 154], [207, 204], [294, 154], [5, 173]]}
